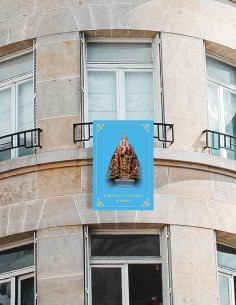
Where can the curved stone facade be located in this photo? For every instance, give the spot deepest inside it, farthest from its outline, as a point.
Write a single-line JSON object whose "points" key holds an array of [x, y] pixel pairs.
{"points": [[50, 193]]}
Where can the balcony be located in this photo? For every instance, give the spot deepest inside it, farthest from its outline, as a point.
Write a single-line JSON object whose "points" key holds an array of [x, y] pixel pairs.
{"points": [[164, 133], [24, 141], [221, 144]]}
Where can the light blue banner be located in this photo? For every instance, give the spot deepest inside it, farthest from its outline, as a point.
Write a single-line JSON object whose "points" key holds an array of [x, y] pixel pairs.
{"points": [[123, 165]]}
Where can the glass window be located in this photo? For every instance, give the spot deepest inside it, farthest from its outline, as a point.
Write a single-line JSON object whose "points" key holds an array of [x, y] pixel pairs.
{"points": [[226, 257], [125, 269], [16, 102], [221, 101], [17, 275], [119, 81], [125, 245]]}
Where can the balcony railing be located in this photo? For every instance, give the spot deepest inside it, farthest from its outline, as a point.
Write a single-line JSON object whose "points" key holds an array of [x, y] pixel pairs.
{"points": [[218, 140], [27, 139], [164, 133]]}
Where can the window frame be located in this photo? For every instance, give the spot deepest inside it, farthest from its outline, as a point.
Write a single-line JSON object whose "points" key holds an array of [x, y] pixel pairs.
{"points": [[17, 275], [221, 86], [228, 273], [116, 261], [119, 67], [13, 83]]}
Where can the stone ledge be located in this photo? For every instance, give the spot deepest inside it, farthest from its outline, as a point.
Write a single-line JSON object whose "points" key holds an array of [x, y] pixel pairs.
{"points": [[162, 157]]}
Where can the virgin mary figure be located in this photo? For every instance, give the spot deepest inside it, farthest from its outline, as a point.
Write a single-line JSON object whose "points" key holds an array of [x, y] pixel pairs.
{"points": [[124, 167]]}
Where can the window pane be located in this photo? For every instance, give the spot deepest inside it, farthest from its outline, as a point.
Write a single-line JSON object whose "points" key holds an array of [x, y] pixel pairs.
{"points": [[213, 107], [102, 95], [221, 70], [226, 256], [125, 245], [16, 258], [106, 286], [145, 284], [5, 111], [27, 291], [224, 287], [25, 114], [139, 95], [119, 52], [25, 106], [5, 293], [230, 116]]}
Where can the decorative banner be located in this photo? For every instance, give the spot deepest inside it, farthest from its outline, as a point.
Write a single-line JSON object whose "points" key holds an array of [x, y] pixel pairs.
{"points": [[123, 165]]}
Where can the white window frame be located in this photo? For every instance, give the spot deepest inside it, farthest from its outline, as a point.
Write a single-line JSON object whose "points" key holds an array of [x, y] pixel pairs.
{"points": [[221, 85], [230, 275], [19, 274], [117, 262], [13, 83], [120, 69]]}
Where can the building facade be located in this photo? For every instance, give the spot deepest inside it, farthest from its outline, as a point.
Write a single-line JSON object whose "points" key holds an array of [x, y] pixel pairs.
{"points": [[64, 64]]}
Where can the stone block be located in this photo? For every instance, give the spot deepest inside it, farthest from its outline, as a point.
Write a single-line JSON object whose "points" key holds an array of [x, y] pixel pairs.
{"points": [[59, 211], [214, 30], [182, 22], [4, 30], [60, 255], [42, 5], [161, 177], [59, 182], [118, 15], [16, 218], [106, 217], [83, 18], [185, 90], [4, 213], [84, 207], [164, 206], [87, 179], [189, 182], [190, 211], [193, 6], [100, 16], [57, 133], [33, 214], [16, 8], [150, 16], [65, 94], [17, 189], [61, 291], [58, 60], [222, 215], [126, 217], [218, 11], [57, 21], [223, 188], [16, 29], [145, 217], [200, 261], [194, 290], [32, 24]]}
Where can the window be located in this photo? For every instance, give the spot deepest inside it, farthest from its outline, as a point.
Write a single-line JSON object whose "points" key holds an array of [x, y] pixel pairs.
{"points": [[120, 80], [222, 100], [16, 101], [17, 275], [125, 269], [227, 274]]}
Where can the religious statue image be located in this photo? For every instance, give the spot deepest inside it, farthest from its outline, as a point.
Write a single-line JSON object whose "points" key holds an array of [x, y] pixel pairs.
{"points": [[124, 167]]}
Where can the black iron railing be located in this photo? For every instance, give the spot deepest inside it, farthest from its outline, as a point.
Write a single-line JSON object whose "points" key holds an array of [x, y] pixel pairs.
{"points": [[27, 139], [163, 132], [218, 140]]}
